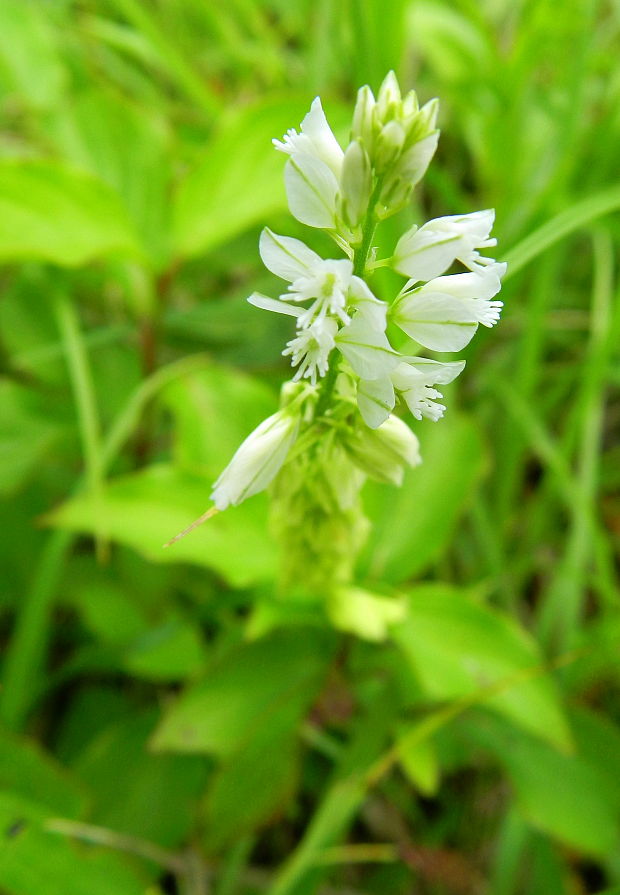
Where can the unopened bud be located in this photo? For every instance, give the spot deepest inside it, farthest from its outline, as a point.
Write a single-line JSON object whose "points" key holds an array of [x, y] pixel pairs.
{"points": [[363, 117], [388, 99], [384, 452], [389, 145], [355, 184]]}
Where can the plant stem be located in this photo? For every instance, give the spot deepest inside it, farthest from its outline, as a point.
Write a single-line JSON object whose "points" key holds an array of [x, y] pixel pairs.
{"points": [[27, 647], [119, 841], [85, 401]]}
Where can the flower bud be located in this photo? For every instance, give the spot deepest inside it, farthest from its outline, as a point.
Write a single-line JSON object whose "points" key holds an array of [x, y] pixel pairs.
{"points": [[390, 143], [355, 184], [388, 99], [363, 117], [384, 452], [257, 460]]}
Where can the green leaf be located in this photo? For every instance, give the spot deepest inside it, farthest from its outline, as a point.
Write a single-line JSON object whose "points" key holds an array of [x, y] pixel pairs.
{"points": [[413, 524], [254, 684], [136, 791], [239, 181], [146, 509], [126, 147], [250, 790], [418, 759], [33, 860], [28, 772], [171, 651], [29, 53], [458, 648], [53, 213], [563, 795]]}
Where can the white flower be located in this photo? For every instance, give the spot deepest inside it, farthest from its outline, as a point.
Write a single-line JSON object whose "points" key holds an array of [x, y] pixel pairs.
{"points": [[444, 313], [310, 349], [312, 191], [313, 170], [316, 139], [427, 252], [366, 348], [475, 290], [328, 284], [323, 282], [257, 460], [438, 322], [414, 380]]}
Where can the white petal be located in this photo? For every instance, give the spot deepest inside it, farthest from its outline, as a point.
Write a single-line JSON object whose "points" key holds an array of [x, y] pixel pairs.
{"points": [[425, 253], [371, 308], [367, 349], [414, 163], [257, 461], [286, 257], [273, 304], [441, 323], [375, 399], [433, 371], [316, 127], [477, 224], [311, 189], [464, 285]]}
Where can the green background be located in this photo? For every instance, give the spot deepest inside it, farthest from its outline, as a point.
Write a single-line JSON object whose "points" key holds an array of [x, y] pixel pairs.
{"points": [[168, 724]]}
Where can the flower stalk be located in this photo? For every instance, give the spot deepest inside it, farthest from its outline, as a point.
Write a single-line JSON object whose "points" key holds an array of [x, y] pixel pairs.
{"points": [[336, 426]]}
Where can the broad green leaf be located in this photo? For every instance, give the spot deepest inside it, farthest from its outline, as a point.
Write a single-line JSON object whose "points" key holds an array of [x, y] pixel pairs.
{"points": [[27, 771], [413, 524], [126, 147], [172, 650], [146, 509], [136, 791], [459, 647], [255, 785], [239, 181], [50, 212], [563, 795], [598, 742], [214, 411], [34, 860], [29, 57], [254, 684]]}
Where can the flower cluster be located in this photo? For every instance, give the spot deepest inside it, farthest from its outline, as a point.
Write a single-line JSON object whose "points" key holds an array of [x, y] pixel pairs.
{"points": [[340, 343], [335, 426]]}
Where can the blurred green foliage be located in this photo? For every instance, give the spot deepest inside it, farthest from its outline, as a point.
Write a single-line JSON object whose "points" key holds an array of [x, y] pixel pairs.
{"points": [[168, 724]]}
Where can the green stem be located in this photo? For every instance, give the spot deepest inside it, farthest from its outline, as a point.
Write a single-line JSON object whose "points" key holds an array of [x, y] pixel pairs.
{"points": [[85, 400], [327, 387], [26, 650]]}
